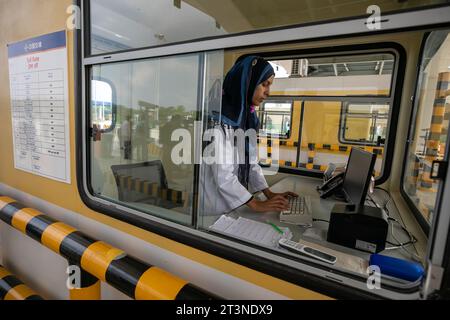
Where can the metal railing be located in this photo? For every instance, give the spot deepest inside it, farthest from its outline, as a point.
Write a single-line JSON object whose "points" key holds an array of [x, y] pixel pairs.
{"points": [[12, 288], [98, 261]]}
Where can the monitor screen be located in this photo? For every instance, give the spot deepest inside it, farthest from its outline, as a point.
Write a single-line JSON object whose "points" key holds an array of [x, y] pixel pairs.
{"points": [[357, 176]]}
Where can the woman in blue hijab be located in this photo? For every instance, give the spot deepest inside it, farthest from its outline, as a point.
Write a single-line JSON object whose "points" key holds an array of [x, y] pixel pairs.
{"points": [[228, 186]]}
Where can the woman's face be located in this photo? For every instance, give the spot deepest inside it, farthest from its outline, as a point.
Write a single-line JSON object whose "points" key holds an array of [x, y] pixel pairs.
{"points": [[262, 92]]}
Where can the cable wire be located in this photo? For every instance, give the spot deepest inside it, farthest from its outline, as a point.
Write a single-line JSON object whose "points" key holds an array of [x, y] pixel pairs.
{"points": [[399, 244]]}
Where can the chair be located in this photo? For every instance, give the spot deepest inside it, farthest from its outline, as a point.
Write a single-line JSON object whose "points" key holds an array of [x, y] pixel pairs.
{"points": [[146, 183], [140, 182]]}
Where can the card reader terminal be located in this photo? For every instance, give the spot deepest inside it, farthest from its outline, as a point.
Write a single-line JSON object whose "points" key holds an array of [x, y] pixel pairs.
{"points": [[311, 252]]}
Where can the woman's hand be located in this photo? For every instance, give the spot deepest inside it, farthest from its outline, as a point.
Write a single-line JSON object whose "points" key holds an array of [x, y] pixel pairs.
{"points": [[269, 194], [276, 203]]}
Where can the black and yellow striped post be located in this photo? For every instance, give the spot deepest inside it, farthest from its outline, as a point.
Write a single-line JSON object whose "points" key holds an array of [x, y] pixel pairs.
{"points": [[289, 164], [84, 286], [135, 278], [412, 174], [311, 155], [12, 288]]}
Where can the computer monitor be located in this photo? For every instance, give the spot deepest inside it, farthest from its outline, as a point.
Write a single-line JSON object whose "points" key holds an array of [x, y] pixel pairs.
{"points": [[357, 176]]}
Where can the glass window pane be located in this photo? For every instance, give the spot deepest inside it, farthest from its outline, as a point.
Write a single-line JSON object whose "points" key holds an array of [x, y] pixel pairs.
{"points": [[102, 105], [120, 25], [329, 128], [321, 123], [365, 123], [356, 75], [429, 133], [275, 118], [320, 143], [138, 163]]}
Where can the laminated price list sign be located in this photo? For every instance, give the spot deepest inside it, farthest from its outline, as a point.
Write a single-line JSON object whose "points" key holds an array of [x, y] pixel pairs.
{"points": [[39, 106]]}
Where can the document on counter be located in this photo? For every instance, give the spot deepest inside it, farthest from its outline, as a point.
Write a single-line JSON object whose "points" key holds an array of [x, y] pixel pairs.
{"points": [[250, 230]]}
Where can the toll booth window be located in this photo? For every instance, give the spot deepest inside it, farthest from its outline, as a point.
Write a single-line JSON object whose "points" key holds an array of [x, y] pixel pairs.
{"points": [[429, 129], [364, 123], [134, 163], [335, 102], [118, 25]]}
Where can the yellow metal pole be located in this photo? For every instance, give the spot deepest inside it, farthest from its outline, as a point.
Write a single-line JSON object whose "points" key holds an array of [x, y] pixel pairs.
{"points": [[84, 286]]}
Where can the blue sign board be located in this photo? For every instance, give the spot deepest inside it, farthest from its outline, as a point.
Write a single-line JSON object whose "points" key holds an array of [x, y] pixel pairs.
{"points": [[46, 42]]}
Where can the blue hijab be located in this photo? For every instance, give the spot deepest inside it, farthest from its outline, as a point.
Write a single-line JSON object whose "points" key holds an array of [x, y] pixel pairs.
{"points": [[238, 89]]}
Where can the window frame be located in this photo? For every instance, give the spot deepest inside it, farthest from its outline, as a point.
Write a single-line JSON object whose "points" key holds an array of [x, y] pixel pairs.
{"points": [[426, 227], [87, 27], [303, 273], [273, 99], [394, 97], [438, 254], [113, 105], [343, 126], [117, 203]]}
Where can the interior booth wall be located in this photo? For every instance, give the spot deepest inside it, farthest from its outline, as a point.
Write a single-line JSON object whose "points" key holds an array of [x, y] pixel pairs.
{"points": [[43, 270]]}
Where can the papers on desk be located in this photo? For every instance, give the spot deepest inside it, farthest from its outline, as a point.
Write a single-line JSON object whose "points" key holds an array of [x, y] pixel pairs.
{"points": [[250, 230]]}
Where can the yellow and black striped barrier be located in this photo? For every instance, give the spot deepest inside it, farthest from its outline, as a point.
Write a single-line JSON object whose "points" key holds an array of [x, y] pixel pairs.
{"points": [[133, 277], [311, 146], [12, 288], [346, 149], [292, 164], [89, 287], [312, 149]]}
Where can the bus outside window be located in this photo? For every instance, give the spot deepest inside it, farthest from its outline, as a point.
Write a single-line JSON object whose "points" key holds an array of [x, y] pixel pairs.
{"points": [[275, 117], [364, 124], [338, 101]]}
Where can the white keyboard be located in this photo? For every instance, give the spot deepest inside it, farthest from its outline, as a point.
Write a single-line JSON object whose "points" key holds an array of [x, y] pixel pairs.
{"points": [[299, 212]]}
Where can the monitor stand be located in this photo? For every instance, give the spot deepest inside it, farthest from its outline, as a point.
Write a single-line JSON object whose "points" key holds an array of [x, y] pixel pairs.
{"points": [[339, 195]]}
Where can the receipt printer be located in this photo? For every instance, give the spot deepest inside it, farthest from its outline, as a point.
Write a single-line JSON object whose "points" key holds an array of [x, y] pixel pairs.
{"points": [[364, 228]]}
